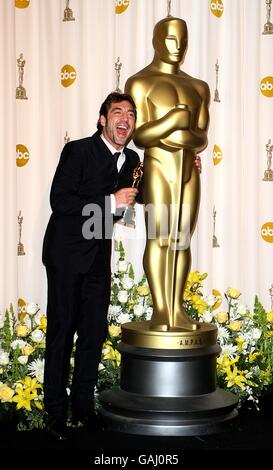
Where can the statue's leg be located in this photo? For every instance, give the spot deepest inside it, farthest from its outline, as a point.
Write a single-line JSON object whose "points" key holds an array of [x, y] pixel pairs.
{"points": [[157, 198], [188, 218]]}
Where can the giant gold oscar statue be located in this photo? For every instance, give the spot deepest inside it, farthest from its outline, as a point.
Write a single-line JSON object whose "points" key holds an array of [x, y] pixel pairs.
{"points": [[172, 125], [168, 365]]}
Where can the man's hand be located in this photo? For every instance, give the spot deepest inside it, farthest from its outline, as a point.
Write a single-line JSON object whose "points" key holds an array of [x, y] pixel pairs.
{"points": [[125, 196], [198, 163]]}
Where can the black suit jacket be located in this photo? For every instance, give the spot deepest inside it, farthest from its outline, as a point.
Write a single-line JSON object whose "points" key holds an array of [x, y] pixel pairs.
{"points": [[86, 173]]}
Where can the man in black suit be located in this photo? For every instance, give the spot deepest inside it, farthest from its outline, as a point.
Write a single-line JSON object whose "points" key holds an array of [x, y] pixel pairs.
{"points": [[78, 267]]}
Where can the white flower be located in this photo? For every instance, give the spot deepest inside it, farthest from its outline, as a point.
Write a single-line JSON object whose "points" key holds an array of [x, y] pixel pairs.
{"points": [[23, 359], [37, 336], [149, 313], [32, 308], [101, 366], [242, 310], [36, 369], [138, 310], [223, 334], [229, 350], [124, 318], [123, 296], [127, 283], [207, 316], [113, 312], [256, 333], [4, 358], [122, 266], [210, 300], [18, 342]]}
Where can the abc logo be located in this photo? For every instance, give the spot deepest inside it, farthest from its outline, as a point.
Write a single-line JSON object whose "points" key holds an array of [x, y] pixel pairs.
{"points": [[21, 309], [267, 86], [121, 6], [267, 232], [217, 7], [68, 75], [22, 3], [217, 154], [22, 155]]}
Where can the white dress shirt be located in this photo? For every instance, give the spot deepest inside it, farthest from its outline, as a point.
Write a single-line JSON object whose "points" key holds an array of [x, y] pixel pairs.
{"points": [[120, 162]]}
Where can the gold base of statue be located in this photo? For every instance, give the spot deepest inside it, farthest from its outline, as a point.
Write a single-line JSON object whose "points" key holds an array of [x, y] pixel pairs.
{"points": [[21, 93], [268, 28], [268, 175], [139, 334]]}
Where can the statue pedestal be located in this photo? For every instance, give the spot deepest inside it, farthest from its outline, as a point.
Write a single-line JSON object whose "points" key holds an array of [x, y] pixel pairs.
{"points": [[168, 392]]}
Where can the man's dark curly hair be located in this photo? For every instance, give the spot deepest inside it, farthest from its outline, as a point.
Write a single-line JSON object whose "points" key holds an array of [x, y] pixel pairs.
{"points": [[114, 97]]}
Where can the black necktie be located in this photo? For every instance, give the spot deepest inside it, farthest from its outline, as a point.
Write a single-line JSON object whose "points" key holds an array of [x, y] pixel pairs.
{"points": [[115, 156]]}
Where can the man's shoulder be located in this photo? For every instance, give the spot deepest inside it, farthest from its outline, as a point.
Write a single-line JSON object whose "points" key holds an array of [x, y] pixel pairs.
{"points": [[132, 154], [83, 142]]}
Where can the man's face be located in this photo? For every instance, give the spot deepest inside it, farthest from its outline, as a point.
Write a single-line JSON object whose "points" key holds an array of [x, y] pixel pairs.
{"points": [[119, 124]]}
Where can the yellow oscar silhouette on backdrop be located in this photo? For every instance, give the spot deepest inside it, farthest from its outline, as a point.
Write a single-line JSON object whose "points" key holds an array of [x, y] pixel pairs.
{"points": [[172, 126]]}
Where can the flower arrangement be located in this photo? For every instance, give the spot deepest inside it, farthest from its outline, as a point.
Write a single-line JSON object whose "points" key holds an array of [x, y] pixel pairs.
{"points": [[22, 343], [244, 366]]}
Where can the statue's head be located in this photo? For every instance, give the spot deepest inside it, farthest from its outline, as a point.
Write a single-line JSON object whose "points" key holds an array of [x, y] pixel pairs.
{"points": [[170, 40]]}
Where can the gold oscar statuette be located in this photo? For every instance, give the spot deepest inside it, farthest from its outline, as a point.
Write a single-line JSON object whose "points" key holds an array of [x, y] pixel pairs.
{"points": [[268, 174], [215, 243], [20, 90], [129, 215], [66, 138], [268, 26], [216, 92], [68, 13], [172, 127], [20, 246], [118, 66]]}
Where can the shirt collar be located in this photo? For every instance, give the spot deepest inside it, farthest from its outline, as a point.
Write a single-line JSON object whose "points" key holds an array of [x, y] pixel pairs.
{"points": [[110, 146]]}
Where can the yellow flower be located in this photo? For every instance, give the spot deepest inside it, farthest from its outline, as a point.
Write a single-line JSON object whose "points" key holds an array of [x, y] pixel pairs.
{"points": [[195, 277], [233, 293], [6, 393], [22, 330], [225, 361], [114, 330], [143, 290], [42, 323], [27, 350], [269, 317], [110, 353], [218, 296], [26, 391], [236, 377], [235, 325], [240, 341], [269, 334], [252, 356], [221, 317]]}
